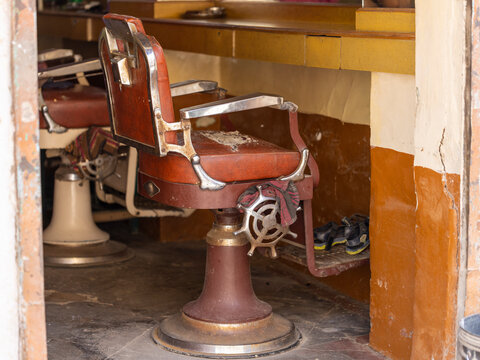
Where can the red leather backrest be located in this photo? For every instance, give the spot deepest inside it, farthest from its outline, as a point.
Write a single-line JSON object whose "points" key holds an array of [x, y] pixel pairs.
{"points": [[132, 106]]}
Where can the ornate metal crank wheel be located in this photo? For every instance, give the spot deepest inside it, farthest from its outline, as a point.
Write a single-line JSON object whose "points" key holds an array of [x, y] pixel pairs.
{"points": [[262, 224]]}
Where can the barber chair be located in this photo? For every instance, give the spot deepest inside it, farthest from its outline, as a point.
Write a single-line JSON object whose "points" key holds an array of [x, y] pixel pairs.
{"points": [[207, 170], [72, 238]]}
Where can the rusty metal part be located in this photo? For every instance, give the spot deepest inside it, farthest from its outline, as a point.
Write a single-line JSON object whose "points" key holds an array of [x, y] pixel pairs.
{"points": [[106, 253], [300, 144], [188, 336]]}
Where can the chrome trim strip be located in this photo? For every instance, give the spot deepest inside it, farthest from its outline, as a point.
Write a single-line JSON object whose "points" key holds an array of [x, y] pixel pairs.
{"points": [[192, 87], [235, 104], [70, 69]]}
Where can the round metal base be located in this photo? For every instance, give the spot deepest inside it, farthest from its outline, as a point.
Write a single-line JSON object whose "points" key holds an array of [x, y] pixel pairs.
{"points": [[182, 334], [106, 253]]}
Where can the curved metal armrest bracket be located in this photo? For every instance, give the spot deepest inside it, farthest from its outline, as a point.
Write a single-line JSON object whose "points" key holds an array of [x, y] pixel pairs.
{"points": [[307, 158]]}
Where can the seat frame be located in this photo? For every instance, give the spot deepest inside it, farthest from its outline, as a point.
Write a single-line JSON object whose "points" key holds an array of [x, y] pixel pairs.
{"points": [[122, 40]]}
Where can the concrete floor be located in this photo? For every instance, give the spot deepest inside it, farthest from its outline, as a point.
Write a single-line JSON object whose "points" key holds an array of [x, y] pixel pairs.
{"points": [[109, 312]]}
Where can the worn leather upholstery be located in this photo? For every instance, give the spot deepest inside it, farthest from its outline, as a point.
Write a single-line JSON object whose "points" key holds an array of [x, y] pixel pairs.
{"points": [[76, 107]]}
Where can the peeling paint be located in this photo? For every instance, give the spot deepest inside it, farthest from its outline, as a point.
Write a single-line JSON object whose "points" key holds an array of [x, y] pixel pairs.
{"points": [[232, 138]]}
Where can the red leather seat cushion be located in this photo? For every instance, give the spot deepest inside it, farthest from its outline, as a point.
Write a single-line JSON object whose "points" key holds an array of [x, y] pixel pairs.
{"points": [[76, 107], [226, 157]]}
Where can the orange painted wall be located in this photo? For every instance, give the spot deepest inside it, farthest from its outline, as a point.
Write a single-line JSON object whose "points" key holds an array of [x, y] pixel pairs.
{"points": [[392, 252], [414, 258], [436, 264]]}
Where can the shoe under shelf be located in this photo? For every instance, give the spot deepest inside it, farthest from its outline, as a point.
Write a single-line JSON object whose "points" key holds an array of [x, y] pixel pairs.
{"points": [[327, 263]]}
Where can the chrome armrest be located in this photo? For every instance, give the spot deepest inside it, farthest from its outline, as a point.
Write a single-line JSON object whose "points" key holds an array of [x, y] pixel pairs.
{"points": [[62, 70], [70, 69], [54, 54], [192, 87], [238, 103]]}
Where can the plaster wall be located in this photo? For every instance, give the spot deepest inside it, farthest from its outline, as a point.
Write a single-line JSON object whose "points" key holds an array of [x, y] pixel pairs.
{"points": [[392, 109], [440, 82], [414, 212], [9, 301], [339, 94]]}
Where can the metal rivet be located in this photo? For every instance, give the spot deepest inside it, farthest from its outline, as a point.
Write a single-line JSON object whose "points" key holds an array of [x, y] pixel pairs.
{"points": [[151, 189]]}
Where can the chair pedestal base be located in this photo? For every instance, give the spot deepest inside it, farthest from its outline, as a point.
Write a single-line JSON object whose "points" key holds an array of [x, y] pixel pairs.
{"points": [[73, 238], [106, 253], [227, 320], [185, 335]]}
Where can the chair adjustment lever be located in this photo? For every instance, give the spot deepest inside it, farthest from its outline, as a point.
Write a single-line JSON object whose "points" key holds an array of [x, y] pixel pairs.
{"points": [[206, 182], [299, 173]]}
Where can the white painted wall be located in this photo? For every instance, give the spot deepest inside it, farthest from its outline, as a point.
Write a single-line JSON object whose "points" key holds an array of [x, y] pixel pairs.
{"points": [[440, 82], [340, 94], [9, 312], [392, 111]]}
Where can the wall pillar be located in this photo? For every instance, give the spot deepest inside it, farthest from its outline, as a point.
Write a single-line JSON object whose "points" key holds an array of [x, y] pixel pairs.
{"points": [[22, 329], [439, 162], [392, 214], [472, 271]]}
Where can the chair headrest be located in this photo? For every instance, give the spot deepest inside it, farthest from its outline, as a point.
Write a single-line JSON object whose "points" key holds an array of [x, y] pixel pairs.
{"points": [[123, 26]]}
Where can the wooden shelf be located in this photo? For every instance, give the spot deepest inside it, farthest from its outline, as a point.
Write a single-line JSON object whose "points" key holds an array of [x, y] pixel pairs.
{"points": [[311, 41]]}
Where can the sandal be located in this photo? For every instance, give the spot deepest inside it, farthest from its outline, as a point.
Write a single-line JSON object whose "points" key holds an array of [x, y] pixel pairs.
{"points": [[329, 235], [358, 238]]}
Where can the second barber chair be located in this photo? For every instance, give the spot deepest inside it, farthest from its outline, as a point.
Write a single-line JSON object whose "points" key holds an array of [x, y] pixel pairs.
{"points": [[253, 187], [67, 110]]}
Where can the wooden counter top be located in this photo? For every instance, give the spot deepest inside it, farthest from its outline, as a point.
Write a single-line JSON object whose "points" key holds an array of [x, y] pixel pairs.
{"points": [[333, 45]]}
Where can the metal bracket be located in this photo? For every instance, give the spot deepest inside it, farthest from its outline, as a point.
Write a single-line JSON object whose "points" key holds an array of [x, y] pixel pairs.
{"points": [[206, 182], [299, 172], [52, 126], [290, 106]]}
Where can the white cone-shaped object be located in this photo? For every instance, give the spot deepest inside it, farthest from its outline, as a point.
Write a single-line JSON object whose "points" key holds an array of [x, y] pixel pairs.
{"points": [[72, 220]]}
